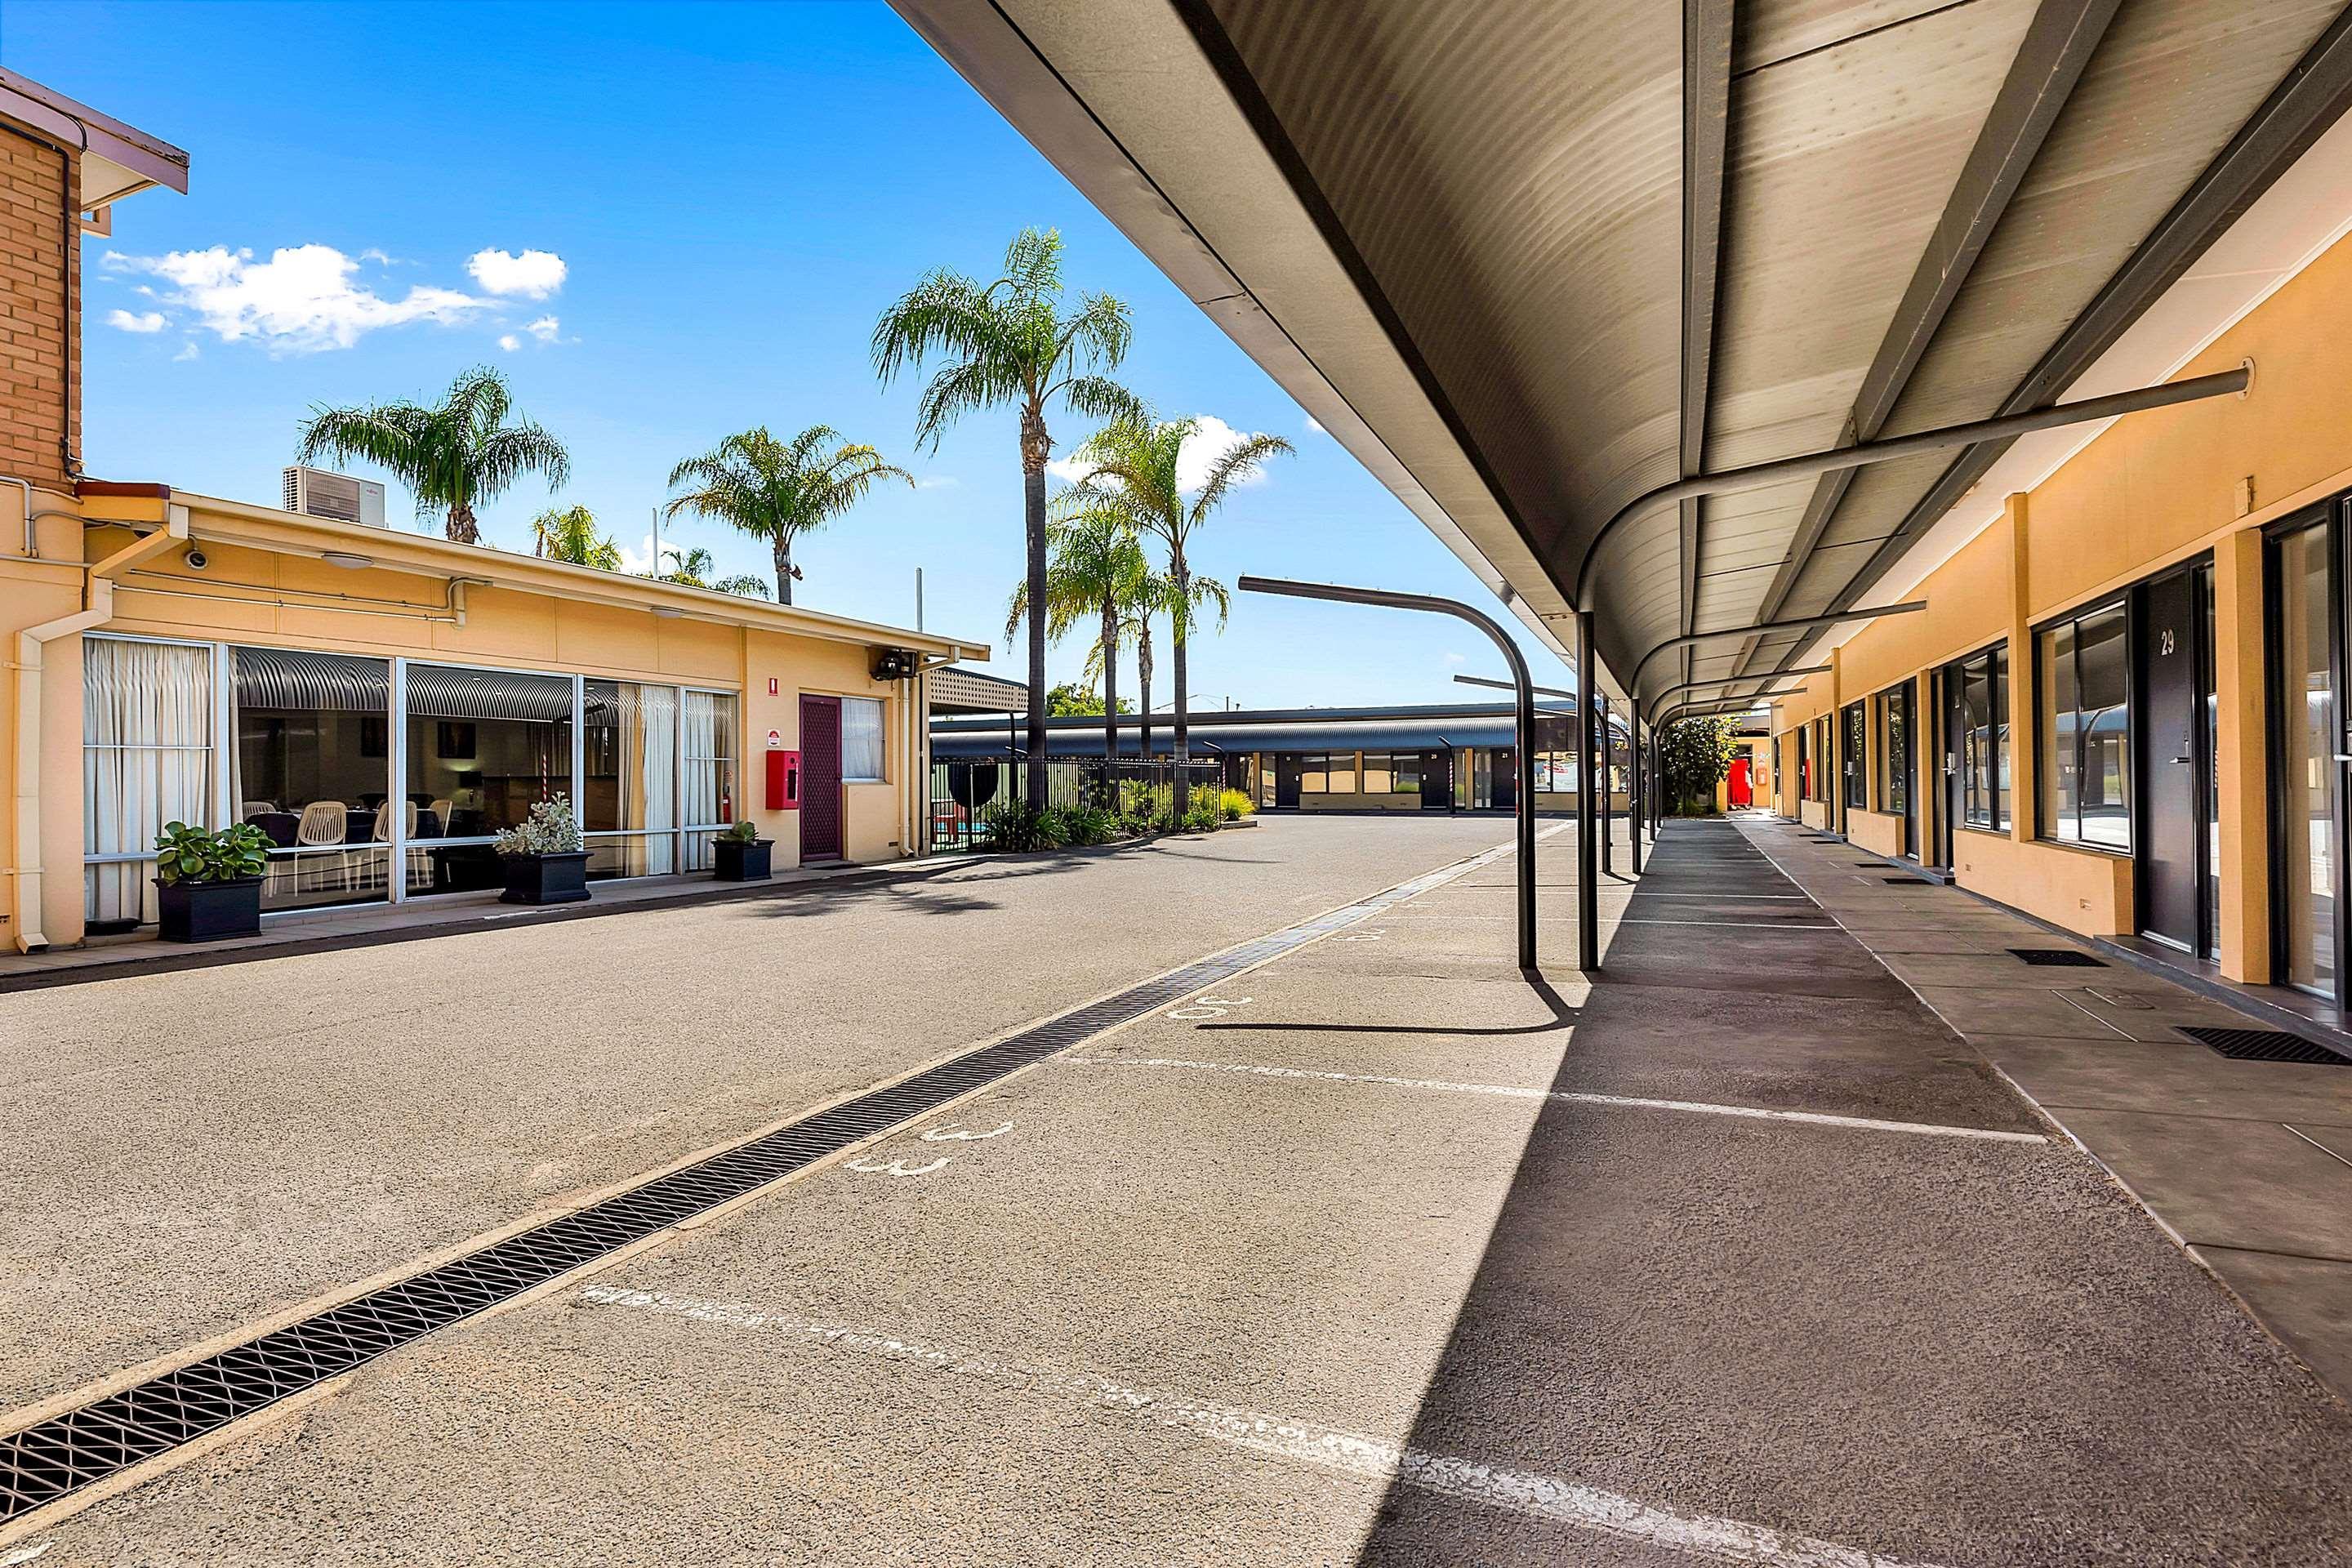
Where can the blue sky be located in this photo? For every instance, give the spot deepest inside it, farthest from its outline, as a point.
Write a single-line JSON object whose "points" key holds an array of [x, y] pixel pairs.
{"points": [[733, 192]]}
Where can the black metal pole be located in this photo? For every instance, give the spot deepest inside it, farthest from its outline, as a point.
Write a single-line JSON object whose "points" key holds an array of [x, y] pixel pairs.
{"points": [[1639, 805], [1525, 716], [1588, 872]]}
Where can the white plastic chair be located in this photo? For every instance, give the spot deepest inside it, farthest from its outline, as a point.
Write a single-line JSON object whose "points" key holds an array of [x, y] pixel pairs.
{"points": [[324, 823], [420, 860]]}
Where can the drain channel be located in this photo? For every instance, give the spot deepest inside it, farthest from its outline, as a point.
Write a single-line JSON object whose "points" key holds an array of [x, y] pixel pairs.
{"points": [[47, 1461]]}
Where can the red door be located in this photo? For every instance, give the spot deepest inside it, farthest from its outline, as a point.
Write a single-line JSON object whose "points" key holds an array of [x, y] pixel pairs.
{"points": [[820, 778], [1738, 788]]}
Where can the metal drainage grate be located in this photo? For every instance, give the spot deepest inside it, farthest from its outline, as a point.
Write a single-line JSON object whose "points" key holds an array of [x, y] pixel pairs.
{"points": [[2058, 958], [2266, 1046], [1874, 866], [45, 1462], [1905, 881]]}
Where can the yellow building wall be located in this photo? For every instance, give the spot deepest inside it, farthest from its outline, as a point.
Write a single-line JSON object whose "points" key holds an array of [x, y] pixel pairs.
{"points": [[2153, 491], [230, 600]]}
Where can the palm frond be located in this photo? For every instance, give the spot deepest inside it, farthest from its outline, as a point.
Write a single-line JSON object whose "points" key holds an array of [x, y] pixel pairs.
{"points": [[1237, 465]]}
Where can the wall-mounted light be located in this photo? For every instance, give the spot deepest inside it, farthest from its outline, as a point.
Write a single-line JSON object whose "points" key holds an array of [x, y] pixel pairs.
{"points": [[667, 610], [346, 559]]}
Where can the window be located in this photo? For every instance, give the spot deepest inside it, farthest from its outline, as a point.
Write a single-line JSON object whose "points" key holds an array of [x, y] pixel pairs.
{"points": [[2308, 777], [628, 794], [861, 739], [1392, 773], [1328, 773], [2085, 731], [1852, 764], [1977, 690], [147, 759], [311, 769], [1378, 771]]}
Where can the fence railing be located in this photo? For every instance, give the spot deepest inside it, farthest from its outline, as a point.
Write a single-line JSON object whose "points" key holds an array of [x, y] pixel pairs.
{"points": [[962, 792]]}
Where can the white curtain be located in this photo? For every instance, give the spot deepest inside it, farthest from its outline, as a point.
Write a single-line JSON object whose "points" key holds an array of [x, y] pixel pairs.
{"points": [[709, 795], [861, 739], [147, 759], [648, 770]]}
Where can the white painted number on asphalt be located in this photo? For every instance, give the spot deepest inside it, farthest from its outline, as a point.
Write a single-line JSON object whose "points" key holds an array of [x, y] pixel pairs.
{"points": [[898, 1167], [944, 1135], [1208, 1006]]}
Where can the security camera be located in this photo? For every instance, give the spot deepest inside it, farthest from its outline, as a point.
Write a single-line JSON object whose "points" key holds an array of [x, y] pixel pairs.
{"points": [[194, 558]]}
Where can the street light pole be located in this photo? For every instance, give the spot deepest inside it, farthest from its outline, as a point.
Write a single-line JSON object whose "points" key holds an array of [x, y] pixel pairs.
{"points": [[1525, 717]]}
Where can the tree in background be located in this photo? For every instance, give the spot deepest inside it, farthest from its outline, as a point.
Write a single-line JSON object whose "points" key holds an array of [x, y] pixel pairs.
{"points": [[777, 490], [572, 535], [1010, 342], [458, 452], [1095, 567], [1695, 754], [1132, 464], [1078, 700]]}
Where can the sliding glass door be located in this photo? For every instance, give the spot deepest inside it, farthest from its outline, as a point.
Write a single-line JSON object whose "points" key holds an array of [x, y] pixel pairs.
{"points": [[2307, 740]]}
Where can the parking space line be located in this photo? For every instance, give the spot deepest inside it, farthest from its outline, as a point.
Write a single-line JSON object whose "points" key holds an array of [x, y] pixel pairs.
{"points": [[1627, 1101], [1527, 1494]]}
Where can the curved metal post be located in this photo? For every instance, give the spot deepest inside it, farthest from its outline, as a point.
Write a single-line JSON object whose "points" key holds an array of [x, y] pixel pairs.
{"points": [[1638, 783], [1525, 717], [1588, 867]]}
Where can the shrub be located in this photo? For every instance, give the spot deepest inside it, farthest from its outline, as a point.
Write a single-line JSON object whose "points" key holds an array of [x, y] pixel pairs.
{"points": [[743, 833], [1235, 804], [1201, 820], [1089, 825], [199, 854], [1015, 827], [550, 829]]}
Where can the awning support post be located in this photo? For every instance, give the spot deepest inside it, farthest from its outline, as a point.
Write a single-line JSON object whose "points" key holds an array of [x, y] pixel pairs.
{"points": [[1588, 860], [1640, 784], [1525, 716]]}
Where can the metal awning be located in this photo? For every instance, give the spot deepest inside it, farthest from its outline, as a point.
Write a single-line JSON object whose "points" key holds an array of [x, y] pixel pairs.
{"points": [[1532, 262]]}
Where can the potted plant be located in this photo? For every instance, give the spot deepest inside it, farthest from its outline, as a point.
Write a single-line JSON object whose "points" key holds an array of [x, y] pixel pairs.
{"points": [[545, 860], [743, 854], [208, 884]]}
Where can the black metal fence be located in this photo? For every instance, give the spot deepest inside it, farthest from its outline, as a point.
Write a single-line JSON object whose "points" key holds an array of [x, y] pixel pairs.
{"points": [[962, 792]]}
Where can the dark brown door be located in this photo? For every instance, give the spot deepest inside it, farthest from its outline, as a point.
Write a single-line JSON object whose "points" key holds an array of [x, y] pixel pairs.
{"points": [[820, 778], [2172, 711]]}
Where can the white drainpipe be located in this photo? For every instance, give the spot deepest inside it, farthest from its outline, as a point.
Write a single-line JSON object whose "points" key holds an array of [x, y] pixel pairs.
{"points": [[98, 608]]}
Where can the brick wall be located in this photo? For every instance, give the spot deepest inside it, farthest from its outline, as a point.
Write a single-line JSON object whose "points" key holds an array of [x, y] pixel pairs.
{"points": [[40, 313]]}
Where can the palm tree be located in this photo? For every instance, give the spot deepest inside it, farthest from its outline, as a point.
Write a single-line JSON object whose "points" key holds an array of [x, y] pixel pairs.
{"points": [[743, 585], [1011, 342], [691, 568], [458, 452], [1096, 566], [777, 490], [1133, 465], [571, 535]]}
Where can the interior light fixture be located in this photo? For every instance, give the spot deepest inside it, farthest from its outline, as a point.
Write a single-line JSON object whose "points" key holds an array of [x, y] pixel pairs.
{"points": [[348, 560]]}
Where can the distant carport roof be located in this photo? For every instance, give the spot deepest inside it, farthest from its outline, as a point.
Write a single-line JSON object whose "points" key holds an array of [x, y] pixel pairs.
{"points": [[955, 690], [1530, 261]]}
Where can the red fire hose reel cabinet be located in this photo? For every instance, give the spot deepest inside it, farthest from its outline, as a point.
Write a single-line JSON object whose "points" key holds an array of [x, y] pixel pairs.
{"points": [[783, 781]]}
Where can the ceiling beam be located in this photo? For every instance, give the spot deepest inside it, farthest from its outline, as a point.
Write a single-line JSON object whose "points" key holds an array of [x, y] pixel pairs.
{"points": [[1706, 129], [2057, 46], [2311, 98], [1805, 624]]}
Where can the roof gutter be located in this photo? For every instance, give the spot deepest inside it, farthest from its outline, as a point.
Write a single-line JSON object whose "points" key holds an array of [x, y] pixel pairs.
{"points": [[98, 608]]}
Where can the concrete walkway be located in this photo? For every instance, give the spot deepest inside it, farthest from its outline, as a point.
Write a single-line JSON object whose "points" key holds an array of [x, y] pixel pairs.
{"points": [[1375, 1254], [2248, 1163]]}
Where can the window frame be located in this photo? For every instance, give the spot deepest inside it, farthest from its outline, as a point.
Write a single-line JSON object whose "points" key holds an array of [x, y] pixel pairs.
{"points": [[2045, 755], [1994, 658], [1854, 754]]}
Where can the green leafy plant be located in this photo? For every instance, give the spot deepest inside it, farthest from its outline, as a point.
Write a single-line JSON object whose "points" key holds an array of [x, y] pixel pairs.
{"points": [[1083, 825], [550, 829], [743, 833], [571, 534], [1235, 804], [185, 853], [1695, 755], [1201, 819], [458, 452], [1016, 828]]}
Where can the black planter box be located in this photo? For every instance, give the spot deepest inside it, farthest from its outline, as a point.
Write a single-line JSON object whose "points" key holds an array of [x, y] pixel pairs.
{"points": [[739, 862], [546, 878], [209, 912]]}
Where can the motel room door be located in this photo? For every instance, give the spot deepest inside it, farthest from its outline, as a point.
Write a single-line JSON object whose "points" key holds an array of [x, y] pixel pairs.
{"points": [[1436, 781], [820, 778], [1287, 768], [2169, 734], [1737, 791]]}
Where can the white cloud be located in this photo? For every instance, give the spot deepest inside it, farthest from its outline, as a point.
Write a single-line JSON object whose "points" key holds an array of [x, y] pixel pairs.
{"points": [[1211, 439], [124, 321], [937, 483], [188, 351], [300, 301], [547, 329], [534, 275], [638, 559], [508, 341], [1314, 427]]}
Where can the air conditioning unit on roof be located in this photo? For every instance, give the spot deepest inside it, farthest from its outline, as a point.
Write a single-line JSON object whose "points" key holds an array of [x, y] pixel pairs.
{"points": [[315, 493]]}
